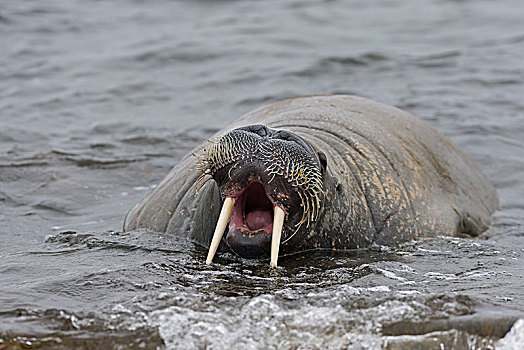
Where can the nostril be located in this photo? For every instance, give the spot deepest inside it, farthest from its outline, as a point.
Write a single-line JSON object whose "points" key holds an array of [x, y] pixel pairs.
{"points": [[283, 135], [258, 129], [262, 131]]}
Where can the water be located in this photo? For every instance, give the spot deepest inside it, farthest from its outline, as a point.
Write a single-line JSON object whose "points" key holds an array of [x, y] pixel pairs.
{"points": [[99, 99]]}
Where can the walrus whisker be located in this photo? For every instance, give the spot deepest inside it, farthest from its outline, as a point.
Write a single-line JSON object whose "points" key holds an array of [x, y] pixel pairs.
{"points": [[223, 219], [312, 205], [293, 234], [278, 223], [307, 210], [317, 198], [303, 209], [200, 183]]}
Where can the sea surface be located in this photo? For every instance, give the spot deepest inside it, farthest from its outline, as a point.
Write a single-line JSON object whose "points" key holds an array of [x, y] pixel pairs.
{"points": [[99, 99]]}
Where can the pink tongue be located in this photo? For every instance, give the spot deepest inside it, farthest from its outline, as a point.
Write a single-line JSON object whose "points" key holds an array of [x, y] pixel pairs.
{"points": [[258, 219]]}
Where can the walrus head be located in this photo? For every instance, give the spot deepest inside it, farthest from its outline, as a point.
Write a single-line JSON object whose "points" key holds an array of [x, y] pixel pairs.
{"points": [[272, 185]]}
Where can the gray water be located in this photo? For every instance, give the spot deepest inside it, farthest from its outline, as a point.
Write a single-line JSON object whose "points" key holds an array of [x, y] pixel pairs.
{"points": [[99, 99]]}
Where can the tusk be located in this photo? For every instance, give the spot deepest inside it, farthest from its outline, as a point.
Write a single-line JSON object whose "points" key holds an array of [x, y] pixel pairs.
{"points": [[223, 219], [278, 222]]}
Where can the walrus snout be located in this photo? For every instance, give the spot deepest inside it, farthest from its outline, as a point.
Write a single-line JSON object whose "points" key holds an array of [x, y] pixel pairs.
{"points": [[265, 177], [249, 245]]}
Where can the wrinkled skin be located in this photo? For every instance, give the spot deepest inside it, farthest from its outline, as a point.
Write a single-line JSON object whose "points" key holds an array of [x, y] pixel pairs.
{"points": [[389, 177]]}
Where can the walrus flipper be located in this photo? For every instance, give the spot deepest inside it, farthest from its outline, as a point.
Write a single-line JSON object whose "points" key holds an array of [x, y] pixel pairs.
{"points": [[175, 206]]}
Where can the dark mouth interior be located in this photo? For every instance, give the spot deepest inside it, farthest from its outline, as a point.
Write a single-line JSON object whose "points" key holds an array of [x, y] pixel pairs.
{"points": [[253, 209]]}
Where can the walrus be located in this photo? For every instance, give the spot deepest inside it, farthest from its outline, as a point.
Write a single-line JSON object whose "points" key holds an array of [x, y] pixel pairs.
{"points": [[338, 172]]}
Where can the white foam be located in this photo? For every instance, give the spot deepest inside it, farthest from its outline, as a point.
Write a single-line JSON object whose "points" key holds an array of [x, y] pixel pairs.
{"points": [[514, 340], [261, 323]]}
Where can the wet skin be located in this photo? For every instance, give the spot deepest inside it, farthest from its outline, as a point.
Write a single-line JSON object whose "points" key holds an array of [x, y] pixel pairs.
{"points": [[383, 176]]}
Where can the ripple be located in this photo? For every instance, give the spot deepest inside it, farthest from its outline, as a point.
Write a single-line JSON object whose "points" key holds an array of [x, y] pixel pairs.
{"points": [[98, 102], [338, 64]]}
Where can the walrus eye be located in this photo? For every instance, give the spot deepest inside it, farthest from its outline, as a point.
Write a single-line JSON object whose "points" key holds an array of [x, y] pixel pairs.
{"points": [[323, 161]]}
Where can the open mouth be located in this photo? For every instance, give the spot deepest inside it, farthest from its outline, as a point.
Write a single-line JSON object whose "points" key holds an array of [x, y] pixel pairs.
{"points": [[253, 220], [253, 210]]}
